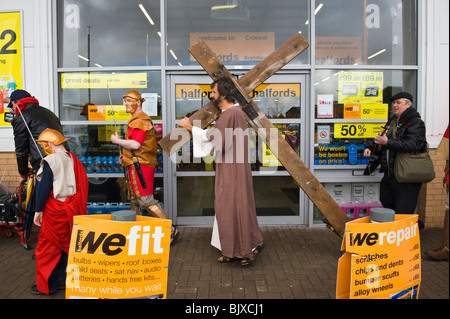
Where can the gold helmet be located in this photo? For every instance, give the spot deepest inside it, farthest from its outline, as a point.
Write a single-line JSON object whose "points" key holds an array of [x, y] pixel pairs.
{"points": [[50, 135], [135, 96]]}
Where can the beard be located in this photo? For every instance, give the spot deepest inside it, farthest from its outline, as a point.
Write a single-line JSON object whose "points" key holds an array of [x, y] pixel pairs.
{"points": [[217, 101]]}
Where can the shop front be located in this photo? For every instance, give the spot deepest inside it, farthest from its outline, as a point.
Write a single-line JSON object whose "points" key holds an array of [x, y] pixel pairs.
{"points": [[328, 103]]}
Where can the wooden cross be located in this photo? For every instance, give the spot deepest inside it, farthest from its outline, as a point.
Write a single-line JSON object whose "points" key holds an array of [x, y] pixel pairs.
{"points": [[334, 216]]}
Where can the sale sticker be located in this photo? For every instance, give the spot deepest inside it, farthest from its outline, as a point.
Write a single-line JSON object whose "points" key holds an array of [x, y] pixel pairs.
{"points": [[374, 111], [357, 130], [108, 113], [366, 111]]}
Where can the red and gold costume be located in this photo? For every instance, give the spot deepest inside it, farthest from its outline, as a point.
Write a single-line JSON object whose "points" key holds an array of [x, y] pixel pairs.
{"points": [[67, 198], [140, 129]]}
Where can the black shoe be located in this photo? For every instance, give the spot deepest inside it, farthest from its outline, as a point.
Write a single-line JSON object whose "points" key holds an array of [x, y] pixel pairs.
{"points": [[62, 285], [34, 290]]}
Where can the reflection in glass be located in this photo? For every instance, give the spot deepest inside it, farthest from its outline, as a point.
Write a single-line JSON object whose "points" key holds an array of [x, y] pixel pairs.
{"points": [[242, 34], [277, 101], [380, 33], [82, 92], [274, 196], [105, 33], [261, 158], [386, 82]]}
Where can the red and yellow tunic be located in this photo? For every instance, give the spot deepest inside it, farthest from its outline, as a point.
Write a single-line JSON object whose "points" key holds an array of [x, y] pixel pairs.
{"points": [[140, 129]]}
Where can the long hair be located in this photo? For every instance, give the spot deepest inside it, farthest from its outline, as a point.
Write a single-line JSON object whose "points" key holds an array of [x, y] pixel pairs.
{"points": [[226, 87]]}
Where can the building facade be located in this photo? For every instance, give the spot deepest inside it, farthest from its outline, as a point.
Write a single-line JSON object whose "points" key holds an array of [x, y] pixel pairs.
{"points": [[78, 58]]}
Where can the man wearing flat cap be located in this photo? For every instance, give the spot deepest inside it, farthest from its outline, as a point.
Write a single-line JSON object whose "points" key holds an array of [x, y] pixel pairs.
{"points": [[406, 134]]}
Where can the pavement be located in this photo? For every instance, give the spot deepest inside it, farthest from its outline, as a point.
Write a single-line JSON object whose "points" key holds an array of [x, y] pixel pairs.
{"points": [[297, 263]]}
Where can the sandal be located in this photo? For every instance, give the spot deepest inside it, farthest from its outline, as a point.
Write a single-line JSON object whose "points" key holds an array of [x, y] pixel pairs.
{"points": [[174, 235], [256, 252], [224, 259]]}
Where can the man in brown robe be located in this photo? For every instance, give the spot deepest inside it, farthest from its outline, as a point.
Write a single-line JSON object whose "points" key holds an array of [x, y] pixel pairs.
{"points": [[234, 203]]}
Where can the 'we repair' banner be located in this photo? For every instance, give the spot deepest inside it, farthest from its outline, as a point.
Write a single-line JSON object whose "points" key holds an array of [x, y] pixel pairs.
{"points": [[382, 260], [115, 259]]}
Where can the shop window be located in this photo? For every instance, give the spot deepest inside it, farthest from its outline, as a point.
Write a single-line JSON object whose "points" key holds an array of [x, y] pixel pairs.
{"points": [[92, 145], [351, 107], [261, 158], [240, 32], [274, 196], [276, 100], [109, 33], [382, 32], [85, 96]]}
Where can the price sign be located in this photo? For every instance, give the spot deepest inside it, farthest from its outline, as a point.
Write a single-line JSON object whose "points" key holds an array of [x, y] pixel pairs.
{"points": [[366, 111], [360, 87], [357, 130], [10, 57]]}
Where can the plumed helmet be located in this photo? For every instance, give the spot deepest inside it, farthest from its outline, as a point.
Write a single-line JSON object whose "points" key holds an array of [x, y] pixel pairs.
{"points": [[134, 94]]}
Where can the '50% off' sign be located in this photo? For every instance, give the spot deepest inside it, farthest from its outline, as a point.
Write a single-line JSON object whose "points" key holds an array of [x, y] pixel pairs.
{"points": [[357, 130]]}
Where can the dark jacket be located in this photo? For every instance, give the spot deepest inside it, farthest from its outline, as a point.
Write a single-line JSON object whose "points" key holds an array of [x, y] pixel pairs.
{"points": [[38, 118], [410, 137]]}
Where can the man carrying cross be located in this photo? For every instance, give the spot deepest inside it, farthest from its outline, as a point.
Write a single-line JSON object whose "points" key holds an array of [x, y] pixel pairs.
{"points": [[334, 217], [234, 203]]}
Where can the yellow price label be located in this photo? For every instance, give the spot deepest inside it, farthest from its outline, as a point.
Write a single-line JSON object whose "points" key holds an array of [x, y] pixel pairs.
{"points": [[357, 130]]}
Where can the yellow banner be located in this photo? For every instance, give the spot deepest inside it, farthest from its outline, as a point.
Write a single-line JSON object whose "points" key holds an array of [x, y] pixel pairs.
{"points": [[357, 130], [103, 80], [382, 260], [10, 58], [113, 259]]}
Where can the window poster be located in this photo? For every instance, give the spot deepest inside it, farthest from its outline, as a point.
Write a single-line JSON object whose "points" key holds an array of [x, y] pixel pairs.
{"points": [[325, 106], [360, 87], [10, 58]]}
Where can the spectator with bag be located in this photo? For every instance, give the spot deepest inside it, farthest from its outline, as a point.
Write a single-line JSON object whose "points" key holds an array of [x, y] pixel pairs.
{"points": [[405, 135]]}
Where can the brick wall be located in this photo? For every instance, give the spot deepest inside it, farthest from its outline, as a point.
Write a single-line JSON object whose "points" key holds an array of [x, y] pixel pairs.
{"points": [[9, 174], [432, 196]]}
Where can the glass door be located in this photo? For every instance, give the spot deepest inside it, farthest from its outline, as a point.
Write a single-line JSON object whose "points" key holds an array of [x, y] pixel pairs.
{"points": [[279, 200]]}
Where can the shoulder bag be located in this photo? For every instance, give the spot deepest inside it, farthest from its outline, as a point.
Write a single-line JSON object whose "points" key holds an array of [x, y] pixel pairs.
{"points": [[414, 168]]}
